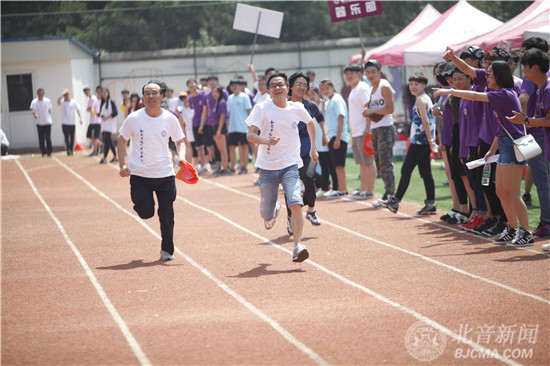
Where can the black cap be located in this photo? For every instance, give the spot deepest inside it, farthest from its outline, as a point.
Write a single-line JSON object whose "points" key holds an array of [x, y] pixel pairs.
{"points": [[477, 52], [448, 71], [374, 63], [502, 54]]}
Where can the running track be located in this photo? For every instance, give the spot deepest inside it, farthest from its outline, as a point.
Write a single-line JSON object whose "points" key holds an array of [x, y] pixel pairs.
{"points": [[82, 284]]}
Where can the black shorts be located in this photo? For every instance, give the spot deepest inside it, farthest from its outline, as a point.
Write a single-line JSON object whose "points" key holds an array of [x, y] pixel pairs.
{"points": [[94, 131], [236, 138], [338, 157], [199, 137], [224, 129], [208, 136]]}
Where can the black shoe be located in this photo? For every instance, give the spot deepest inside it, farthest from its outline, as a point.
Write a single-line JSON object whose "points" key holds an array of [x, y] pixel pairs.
{"points": [[527, 199], [523, 238], [392, 204], [484, 226], [428, 209], [114, 160], [495, 229], [103, 161]]}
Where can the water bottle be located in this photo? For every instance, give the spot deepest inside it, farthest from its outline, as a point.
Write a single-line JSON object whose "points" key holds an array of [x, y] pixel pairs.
{"points": [[486, 176]]}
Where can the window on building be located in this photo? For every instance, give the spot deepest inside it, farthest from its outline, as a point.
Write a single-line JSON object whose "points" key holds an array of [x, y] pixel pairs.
{"points": [[19, 92]]}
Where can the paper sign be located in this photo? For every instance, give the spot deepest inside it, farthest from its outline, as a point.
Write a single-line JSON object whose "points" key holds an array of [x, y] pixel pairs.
{"points": [[341, 10], [246, 20], [479, 162]]}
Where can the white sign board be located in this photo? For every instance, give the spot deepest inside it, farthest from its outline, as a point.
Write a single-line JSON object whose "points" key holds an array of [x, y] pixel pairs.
{"points": [[246, 20]]}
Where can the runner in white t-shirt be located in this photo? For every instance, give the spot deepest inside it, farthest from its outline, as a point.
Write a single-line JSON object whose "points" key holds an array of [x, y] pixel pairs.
{"points": [[42, 111], [358, 99], [279, 155], [150, 164]]}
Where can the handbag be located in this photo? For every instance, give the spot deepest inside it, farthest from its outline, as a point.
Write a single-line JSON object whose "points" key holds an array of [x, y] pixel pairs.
{"points": [[525, 147]]}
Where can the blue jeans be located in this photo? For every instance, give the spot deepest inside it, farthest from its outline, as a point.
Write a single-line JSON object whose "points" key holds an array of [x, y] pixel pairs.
{"points": [[289, 178], [540, 178]]}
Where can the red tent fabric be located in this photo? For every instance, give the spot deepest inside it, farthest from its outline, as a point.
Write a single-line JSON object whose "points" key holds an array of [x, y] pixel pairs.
{"points": [[510, 34], [426, 17]]}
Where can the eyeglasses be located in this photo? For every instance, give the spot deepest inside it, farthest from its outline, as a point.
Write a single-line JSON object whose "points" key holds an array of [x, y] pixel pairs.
{"points": [[278, 85], [301, 85]]}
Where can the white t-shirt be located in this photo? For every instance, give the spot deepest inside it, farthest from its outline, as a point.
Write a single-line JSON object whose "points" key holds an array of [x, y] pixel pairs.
{"points": [[173, 104], [149, 155], [94, 103], [68, 109], [187, 116], [109, 124], [274, 121], [358, 98], [259, 98], [378, 102], [42, 108]]}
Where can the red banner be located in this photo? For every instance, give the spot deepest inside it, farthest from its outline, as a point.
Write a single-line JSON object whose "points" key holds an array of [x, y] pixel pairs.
{"points": [[341, 10]]}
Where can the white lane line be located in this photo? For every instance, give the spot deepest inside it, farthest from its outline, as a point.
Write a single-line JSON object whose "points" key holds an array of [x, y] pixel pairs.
{"points": [[362, 288], [428, 259], [132, 342], [280, 329]]}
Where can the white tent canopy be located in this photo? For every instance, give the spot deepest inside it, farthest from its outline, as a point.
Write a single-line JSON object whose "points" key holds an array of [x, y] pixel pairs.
{"points": [[458, 24], [542, 32]]}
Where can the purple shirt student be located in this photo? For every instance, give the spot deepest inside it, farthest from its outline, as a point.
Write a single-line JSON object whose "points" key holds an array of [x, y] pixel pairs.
{"points": [[487, 131], [447, 126], [213, 116], [197, 102], [542, 105], [530, 88], [503, 102], [468, 127]]}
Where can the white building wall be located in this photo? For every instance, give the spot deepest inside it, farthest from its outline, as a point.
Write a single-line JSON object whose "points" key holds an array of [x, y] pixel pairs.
{"points": [[54, 65]]}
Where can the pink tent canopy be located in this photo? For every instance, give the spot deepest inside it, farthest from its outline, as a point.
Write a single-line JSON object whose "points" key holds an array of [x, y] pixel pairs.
{"points": [[426, 46], [510, 34], [426, 17]]}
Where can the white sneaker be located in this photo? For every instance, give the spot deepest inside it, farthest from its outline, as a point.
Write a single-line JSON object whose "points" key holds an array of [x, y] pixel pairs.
{"points": [[546, 247], [165, 256], [320, 193], [300, 253], [335, 194], [270, 223]]}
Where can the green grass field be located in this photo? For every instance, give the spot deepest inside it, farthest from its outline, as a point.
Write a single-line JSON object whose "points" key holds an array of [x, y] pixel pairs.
{"points": [[415, 192]]}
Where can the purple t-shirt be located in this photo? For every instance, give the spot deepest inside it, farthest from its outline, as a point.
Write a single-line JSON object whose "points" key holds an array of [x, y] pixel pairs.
{"points": [[213, 116], [196, 103], [542, 105], [530, 88], [487, 130], [503, 102], [468, 127], [447, 125]]}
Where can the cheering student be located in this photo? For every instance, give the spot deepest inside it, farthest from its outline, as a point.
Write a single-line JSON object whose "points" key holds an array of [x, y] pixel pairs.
{"points": [[535, 68], [503, 100], [422, 144], [279, 155], [150, 164]]}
